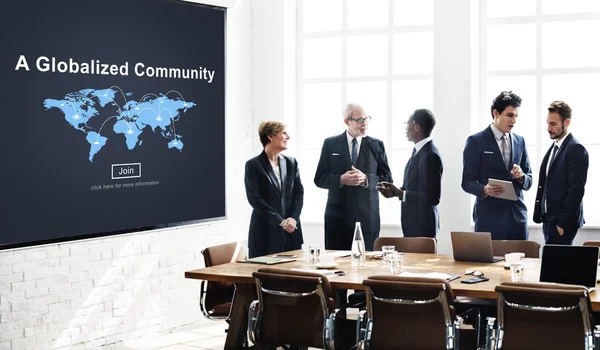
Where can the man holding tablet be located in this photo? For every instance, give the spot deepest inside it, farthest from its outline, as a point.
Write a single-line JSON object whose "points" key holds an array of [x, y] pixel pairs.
{"points": [[498, 153]]}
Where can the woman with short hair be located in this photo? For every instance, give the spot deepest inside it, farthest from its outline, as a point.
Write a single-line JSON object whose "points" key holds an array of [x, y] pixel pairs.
{"points": [[276, 194]]}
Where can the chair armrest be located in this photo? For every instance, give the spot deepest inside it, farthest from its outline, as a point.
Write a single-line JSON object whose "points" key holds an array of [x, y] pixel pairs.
{"points": [[360, 326], [253, 318], [364, 327], [203, 286], [329, 330], [489, 333], [457, 322]]}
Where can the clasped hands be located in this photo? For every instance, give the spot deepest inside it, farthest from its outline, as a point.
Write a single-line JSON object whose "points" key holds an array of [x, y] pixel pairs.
{"points": [[495, 190], [353, 177], [289, 225]]}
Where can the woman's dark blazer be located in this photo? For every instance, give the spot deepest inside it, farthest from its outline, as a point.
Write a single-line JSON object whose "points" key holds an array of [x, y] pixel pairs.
{"points": [[272, 204]]}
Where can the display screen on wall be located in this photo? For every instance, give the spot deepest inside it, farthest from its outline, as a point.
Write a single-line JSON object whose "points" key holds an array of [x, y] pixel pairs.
{"points": [[112, 115]]}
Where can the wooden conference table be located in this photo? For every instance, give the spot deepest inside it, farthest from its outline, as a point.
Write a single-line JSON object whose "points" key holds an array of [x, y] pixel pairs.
{"points": [[241, 274]]}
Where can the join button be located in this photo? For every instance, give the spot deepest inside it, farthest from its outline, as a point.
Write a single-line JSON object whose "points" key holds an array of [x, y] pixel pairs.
{"points": [[126, 171]]}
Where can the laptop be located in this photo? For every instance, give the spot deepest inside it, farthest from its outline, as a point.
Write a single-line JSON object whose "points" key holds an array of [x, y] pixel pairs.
{"points": [[570, 265], [473, 246]]}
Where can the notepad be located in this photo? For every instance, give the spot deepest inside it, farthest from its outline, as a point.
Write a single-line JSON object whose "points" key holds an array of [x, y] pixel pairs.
{"points": [[340, 253], [268, 260], [328, 273], [441, 275]]}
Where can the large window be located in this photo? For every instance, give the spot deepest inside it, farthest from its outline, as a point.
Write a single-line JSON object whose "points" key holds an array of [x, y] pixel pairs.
{"points": [[377, 53], [545, 51]]}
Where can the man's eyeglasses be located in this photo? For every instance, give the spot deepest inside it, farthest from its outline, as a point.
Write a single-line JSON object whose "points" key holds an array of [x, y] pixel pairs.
{"points": [[474, 273], [408, 124], [361, 120]]}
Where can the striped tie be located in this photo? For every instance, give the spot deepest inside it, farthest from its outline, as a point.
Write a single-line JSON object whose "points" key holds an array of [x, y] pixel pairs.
{"points": [[505, 151]]}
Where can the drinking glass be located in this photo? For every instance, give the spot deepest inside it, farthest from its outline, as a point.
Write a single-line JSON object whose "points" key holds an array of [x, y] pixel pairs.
{"points": [[516, 271], [314, 251], [395, 263], [388, 250]]}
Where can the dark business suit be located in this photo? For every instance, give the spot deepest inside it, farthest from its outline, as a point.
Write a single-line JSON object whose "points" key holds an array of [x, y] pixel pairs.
{"points": [[272, 204], [482, 160], [348, 204], [563, 189], [423, 187]]}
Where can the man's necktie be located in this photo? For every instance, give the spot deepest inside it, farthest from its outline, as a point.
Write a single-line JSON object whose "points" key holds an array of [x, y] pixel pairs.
{"points": [[408, 165], [544, 204], [411, 158], [354, 151], [505, 151], [553, 155]]}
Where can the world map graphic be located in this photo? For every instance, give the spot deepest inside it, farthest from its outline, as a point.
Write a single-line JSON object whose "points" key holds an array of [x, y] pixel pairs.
{"points": [[153, 113]]}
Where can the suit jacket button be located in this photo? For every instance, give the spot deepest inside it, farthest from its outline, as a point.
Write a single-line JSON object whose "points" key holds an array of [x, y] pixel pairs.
{"points": [[540, 187]]}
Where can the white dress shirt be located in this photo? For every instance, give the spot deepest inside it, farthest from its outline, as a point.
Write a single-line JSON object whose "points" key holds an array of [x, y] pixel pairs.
{"points": [[358, 142], [498, 136]]}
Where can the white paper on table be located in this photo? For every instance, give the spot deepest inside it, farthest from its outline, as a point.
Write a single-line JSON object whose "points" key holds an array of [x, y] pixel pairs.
{"points": [[425, 274], [324, 272], [339, 253]]}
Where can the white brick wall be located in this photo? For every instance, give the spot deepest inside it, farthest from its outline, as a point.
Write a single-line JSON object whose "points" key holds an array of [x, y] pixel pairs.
{"points": [[101, 292]]}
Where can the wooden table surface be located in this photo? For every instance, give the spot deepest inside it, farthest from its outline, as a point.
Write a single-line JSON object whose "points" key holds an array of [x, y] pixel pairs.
{"points": [[241, 273], [412, 262]]}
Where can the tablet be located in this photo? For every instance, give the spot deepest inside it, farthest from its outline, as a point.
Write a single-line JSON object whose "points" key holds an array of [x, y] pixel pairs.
{"points": [[509, 189]]}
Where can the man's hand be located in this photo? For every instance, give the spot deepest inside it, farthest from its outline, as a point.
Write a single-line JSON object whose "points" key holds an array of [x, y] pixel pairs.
{"points": [[389, 190], [289, 225], [362, 177], [492, 190], [561, 231], [517, 172], [353, 177]]}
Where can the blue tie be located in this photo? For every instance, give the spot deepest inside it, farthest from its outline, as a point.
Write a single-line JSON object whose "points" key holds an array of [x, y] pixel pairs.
{"points": [[553, 156], [548, 168], [354, 151], [411, 158], [408, 165]]}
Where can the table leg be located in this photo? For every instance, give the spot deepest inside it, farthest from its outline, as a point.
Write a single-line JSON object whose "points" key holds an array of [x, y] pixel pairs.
{"points": [[238, 324]]}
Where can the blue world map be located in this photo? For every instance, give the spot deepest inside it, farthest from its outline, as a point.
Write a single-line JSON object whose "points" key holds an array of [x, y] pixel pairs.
{"points": [[151, 113]]}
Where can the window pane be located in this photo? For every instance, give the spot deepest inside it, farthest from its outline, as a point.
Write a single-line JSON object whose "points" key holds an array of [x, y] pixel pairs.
{"points": [[319, 15], [591, 210], [571, 6], [413, 53], [409, 12], [315, 198], [367, 14], [510, 8], [580, 91], [560, 49], [372, 96], [367, 55], [528, 121], [505, 53], [322, 58], [321, 113], [408, 95]]}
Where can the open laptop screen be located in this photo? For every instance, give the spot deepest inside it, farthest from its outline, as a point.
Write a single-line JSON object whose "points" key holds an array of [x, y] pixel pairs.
{"points": [[473, 246], [570, 265]]}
